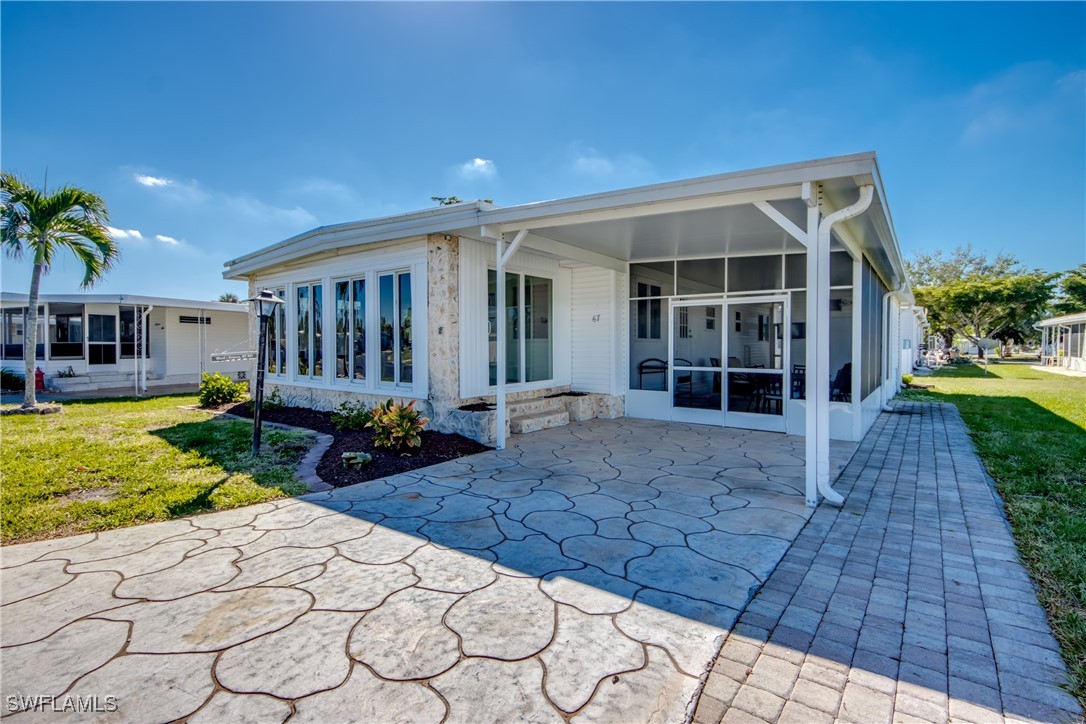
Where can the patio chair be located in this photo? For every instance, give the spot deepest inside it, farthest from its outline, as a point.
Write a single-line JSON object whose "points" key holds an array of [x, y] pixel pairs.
{"points": [[651, 366], [841, 388]]}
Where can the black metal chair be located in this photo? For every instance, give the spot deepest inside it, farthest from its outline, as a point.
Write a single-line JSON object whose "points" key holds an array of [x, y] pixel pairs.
{"points": [[841, 389]]}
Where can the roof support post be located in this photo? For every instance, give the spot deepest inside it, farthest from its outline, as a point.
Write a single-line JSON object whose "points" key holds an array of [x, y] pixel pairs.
{"points": [[818, 346], [502, 256]]}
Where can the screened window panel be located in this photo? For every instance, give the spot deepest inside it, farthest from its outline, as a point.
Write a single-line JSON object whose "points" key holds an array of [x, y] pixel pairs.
{"points": [[754, 273]]}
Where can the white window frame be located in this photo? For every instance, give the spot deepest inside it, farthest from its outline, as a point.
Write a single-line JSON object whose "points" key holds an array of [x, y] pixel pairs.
{"points": [[313, 312], [536, 384], [396, 383]]}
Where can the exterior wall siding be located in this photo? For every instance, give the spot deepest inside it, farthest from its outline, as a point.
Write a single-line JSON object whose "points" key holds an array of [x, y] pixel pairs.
{"points": [[593, 346]]}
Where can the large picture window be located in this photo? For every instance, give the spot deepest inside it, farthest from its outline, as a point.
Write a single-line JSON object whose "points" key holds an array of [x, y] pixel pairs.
{"points": [[529, 308], [14, 323], [394, 307], [308, 300], [351, 329]]}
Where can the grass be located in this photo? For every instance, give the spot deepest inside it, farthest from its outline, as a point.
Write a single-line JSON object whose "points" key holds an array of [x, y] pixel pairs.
{"points": [[104, 464], [1030, 429]]}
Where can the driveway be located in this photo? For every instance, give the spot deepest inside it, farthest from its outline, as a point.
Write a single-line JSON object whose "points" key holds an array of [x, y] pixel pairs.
{"points": [[589, 571]]}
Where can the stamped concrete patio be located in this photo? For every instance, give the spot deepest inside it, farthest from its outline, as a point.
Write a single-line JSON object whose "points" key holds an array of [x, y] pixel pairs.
{"points": [[589, 571]]}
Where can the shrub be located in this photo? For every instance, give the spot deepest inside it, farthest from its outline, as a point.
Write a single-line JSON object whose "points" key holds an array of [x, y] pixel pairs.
{"points": [[11, 380], [906, 380], [218, 389], [351, 416], [397, 426], [274, 401]]}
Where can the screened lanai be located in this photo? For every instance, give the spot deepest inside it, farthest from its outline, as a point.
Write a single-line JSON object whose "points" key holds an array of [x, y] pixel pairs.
{"points": [[743, 296]]}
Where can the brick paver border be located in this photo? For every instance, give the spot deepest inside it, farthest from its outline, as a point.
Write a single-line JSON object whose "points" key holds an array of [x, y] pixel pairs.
{"points": [[908, 603]]}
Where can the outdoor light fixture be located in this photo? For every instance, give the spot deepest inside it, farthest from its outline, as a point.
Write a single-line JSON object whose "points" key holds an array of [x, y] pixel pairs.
{"points": [[264, 304]]}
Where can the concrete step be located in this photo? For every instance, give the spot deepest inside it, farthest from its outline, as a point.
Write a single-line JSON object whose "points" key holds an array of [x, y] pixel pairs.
{"points": [[535, 406], [538, 421]]}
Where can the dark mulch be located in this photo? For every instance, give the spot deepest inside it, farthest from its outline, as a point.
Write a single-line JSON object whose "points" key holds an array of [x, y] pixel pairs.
{"points": [[437, 447]]}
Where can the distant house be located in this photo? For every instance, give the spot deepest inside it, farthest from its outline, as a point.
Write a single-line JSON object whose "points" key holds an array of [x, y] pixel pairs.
{"points": [[731, 300], [100, 341], [1063, 341]]}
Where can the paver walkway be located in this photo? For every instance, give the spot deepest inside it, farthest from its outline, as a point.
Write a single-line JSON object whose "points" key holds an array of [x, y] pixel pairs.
{"points": [[909, 604], [587, 572]]}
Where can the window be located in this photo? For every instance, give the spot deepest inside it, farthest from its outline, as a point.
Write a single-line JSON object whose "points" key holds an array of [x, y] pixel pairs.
{"points": [[189, 319], [648, 311], [131, 330], [308, 300], [529, 304], [277, 338], [684, 322], [351, 329], [710, 318], [102, 338], [66, 331], [14, 321], [394, 307]]}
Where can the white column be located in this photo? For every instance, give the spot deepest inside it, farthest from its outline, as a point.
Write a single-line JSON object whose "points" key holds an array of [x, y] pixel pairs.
{"points": [[856, 409], [817, 315], [499, 352]]}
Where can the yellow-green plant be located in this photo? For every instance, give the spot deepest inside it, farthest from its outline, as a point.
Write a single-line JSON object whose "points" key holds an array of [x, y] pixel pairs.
{"points": [[351, 416], [218, 389], [396, 426]]}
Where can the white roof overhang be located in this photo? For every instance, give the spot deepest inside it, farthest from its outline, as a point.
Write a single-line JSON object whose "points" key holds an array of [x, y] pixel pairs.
{"points": [[14, 299], [701, 217]]}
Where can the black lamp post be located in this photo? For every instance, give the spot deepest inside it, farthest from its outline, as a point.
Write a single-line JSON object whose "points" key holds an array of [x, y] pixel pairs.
{"points": [[264, 305]]}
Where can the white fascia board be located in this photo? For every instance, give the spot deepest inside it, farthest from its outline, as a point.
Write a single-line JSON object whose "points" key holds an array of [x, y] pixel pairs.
{"points": [[543, 213], [325, 238], [1064, 319], [133, 299]]}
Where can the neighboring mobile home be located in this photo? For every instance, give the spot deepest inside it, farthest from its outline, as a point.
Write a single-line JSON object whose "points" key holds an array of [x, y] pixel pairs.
{"points": [[97, 341], [725, 300], [1063, 341]]}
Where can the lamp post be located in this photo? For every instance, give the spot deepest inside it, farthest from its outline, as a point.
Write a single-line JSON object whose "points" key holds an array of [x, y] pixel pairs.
{"points": [[264, 304]]}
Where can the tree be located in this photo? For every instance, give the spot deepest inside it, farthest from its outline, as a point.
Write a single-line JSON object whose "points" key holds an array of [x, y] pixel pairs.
{"points": [[1072, 292], [40, 224], [932, 269], [229, 297], [979, 307], [450, 200]]}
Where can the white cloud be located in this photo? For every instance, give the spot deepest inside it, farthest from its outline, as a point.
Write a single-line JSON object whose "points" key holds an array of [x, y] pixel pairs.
{"points": [[166, 239], [152, 180], [478, 168], [1028, 99], [625, 166], [124, 233]]}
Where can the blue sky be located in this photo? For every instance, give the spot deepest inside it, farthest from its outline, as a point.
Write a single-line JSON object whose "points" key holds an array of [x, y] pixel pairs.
{"points": [[215, 128]]}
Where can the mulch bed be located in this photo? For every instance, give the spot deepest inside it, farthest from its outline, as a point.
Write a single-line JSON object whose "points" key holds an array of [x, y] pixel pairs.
{"points": [[437, 447]]}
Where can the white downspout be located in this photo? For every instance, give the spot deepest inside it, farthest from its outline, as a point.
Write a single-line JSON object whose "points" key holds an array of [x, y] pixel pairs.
{"points": [[821, 381], [145, 343], [887, 355]]}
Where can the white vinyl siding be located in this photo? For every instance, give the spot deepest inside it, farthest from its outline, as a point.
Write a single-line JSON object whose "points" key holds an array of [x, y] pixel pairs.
{"points": [[594, 347]]}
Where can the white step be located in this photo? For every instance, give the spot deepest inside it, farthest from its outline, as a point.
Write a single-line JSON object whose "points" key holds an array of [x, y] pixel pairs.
{"points": [[538, 421], [535, 405]]}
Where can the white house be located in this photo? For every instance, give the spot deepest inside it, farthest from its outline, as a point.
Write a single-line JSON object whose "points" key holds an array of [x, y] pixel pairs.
{"points": [[726, 300], [98, 341], [912, 336], [1063, 341]]}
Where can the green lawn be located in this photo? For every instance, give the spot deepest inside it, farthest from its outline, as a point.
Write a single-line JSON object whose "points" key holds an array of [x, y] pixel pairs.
{"points": [[104, 464], [1030, 429]]}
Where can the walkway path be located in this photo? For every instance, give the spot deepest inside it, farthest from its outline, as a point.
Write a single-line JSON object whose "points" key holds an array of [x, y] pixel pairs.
{"points": [[908, 604]]}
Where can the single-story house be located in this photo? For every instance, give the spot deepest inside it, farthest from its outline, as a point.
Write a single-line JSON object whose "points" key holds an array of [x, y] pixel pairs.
{"points": [[1063, 341], [732, 300], [101, 341], [913, 330]]}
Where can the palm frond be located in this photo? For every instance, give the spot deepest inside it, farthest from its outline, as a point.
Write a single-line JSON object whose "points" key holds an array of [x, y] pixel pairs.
{"points": [[71, 218]]}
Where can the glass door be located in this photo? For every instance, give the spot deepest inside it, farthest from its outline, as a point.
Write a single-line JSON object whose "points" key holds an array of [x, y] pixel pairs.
{"points": [[694, 369], [757, 369]]}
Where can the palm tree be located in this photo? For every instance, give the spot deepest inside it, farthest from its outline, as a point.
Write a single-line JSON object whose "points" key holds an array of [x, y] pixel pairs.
{"points": [[39, 224]]}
